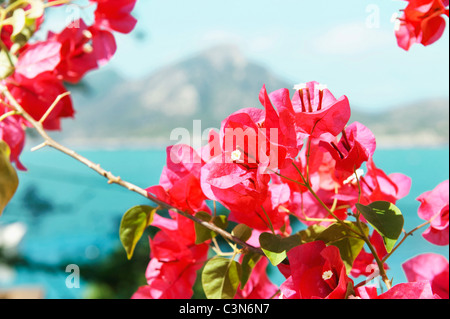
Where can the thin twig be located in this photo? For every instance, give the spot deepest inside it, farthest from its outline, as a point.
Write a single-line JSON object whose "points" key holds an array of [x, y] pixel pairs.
{"points": [[50, 109]]}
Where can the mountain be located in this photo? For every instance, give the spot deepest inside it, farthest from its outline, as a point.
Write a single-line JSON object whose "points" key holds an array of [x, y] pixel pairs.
{"points": [[113, 112]]}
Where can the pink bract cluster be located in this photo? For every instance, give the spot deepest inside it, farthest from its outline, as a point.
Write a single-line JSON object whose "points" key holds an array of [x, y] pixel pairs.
{"points": [[251, 167], [43, 67], [422, 22]]}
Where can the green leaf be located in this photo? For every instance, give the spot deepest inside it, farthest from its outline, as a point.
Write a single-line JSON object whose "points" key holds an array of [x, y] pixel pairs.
{"points": [[387, 220], [248, 263], [220, 221], [18, 21], [275, 258], [9, 180], [133, 224], [311, 233], [275, 247], [221, 278], [7, 64], [202, 233], [242, 231], [349, 245]]}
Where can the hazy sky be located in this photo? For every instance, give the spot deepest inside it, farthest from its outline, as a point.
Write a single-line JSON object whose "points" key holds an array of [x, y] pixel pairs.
{"points": [[348, 45]]}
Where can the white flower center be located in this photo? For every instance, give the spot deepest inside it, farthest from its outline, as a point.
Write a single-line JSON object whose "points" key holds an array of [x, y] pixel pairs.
{"points": [[87, 34], [235, 155], [353, 179], [87, 48], [397, 25], [327, 275], [394, 17], [300, 86], [322, 87]]}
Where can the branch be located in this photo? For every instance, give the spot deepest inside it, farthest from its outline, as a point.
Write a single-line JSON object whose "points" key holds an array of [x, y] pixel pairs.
{"points": [[112, 179]]}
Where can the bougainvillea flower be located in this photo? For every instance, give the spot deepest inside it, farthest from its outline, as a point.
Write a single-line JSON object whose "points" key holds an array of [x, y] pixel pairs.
{"points": [[258, 285], [115, 15], [179, 184], [421, 22], [313, 163], [38, 58], [377, 186], [355, 147], [434, 207], [103, 44], [82, 49], [13, 133], [239, 188], [318, 111], [38, 94], [365, 264], [268, 214], [253, 143], [264, 138], [316, 272], [175, 260], [70, 54], [410, 290], [320, 167], [432, 267], [280, 117]]}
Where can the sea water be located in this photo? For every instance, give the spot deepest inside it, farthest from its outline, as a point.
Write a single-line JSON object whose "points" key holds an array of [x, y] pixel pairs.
{"points": [[76, 213]]}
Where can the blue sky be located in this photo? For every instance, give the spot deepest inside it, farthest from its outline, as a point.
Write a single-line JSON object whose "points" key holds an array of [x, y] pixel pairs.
{"points": [[348, 45]]}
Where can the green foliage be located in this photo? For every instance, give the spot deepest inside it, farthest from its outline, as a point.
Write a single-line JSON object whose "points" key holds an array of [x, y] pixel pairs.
{"points": [[311, 233], [248, 263], [8, 177], [18, 21], [346, 240], [202, 233], [242, 231], [133, 224], [387, 220], [221, 278], [7, 63], [275, 247]]}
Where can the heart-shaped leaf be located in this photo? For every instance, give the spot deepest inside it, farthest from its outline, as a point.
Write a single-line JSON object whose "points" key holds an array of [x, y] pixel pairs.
{"points": [[8, 177], [202, 233], [275, 247], [387, 220], [133, 224], [248, 263], [311, 233], [242, 231], [221, 278], [349, 245], [18, 20]]}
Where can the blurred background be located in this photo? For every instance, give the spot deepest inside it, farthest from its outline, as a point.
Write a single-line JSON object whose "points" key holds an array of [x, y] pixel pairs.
{"points": [[202, 60]]}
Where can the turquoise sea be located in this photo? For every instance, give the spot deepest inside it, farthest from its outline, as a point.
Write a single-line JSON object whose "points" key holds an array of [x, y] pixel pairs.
{"points": [[75, 214]]}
